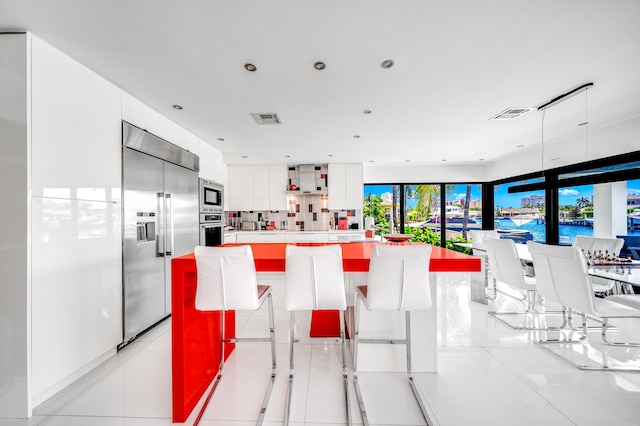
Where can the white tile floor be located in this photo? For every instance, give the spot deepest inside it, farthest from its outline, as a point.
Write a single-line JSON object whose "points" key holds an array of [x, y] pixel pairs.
{"points": [[488, 374]]}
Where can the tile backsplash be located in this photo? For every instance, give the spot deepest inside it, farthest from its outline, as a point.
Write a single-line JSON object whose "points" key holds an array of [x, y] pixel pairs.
{"points": [[306, 212]]}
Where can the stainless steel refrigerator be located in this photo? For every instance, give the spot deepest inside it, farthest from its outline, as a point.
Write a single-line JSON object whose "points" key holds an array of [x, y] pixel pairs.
{"points": [[160, 222]]}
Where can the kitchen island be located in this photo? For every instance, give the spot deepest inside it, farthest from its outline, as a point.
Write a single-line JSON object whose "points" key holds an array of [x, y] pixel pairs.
{"points": [[196, 337]]}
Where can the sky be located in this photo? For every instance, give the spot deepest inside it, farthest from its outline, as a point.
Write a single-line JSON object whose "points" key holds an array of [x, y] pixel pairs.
{"points": [[567, 196]]}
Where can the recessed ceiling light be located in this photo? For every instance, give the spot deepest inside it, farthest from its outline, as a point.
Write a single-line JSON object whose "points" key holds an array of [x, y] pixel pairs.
{"points": [[444, 159], [519, 146], [584, 123], [371, 161], [555, 159], [178, 107], [244, 156], [319, 65], [480, 159], [330, 155], [356, 136], [221, 139], [406, 161], [250, 67], [387, 63], [287, 156], [366, 111]]}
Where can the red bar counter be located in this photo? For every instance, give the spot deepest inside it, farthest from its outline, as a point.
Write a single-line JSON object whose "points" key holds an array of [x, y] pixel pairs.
{"points": [[195, 334]]}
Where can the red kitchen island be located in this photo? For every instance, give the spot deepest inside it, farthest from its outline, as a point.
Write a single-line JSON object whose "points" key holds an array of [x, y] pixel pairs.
{"points": [[195, 334]]}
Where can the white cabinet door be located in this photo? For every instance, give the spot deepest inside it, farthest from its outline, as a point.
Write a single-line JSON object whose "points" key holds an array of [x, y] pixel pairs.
{"points": [[299, 237], [240, 192], [260, 188], [230, 238], [345, 186], [354, 191], [278, 187], [257, 237], [76, 129], [337, 186]]}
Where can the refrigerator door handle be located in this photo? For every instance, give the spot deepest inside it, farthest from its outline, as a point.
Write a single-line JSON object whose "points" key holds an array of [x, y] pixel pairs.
{"points": [[161, 227], [169, 223]]}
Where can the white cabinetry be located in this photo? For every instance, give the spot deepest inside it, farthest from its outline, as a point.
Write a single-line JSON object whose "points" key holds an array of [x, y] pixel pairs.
{"points": [[256, 237], [300, 237], [230, 238], [278, 187], [345, 186], [261, 187], [240, 191], [257, 188]]}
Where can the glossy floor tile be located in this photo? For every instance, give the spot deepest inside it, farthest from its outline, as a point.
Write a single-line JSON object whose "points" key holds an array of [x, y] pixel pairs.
{"points": [[488, 374]]}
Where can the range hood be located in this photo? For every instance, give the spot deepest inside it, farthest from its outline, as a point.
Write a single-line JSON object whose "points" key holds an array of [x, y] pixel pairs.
{"points": [[307, 177]]}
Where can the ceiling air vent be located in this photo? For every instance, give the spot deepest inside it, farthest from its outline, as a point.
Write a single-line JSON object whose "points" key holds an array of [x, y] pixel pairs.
{"points": [[268, 118], [510, 113]]}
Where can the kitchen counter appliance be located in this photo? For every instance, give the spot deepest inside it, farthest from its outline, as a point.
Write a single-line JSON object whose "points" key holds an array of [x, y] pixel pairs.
{"points": [[160, 222], [211, 213]]}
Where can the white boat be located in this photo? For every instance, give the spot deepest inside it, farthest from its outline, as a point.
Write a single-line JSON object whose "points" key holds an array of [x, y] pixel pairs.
{"points": [[520, 220]]}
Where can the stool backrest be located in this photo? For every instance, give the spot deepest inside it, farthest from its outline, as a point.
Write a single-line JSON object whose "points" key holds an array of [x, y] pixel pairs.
{"points": [[504, 262], [226, 278], [565, 269], [314, 278], [594, 245], [399, 278]]}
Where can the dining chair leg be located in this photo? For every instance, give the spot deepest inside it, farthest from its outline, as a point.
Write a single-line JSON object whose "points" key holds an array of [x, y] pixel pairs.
{"points": [[287, 410], [345, 376], [272, 338], [356, 383], [414, 388], [218, 376]]}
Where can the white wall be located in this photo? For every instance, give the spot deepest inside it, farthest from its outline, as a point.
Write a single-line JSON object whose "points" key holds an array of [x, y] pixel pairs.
{"points": [[423, 174], [15, 335]]}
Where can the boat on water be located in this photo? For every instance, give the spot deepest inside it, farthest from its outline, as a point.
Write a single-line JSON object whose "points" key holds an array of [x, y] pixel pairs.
{"points": [[520, 220]]}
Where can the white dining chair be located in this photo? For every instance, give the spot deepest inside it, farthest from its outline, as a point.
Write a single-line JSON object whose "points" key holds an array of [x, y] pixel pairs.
{"points": [[565, 269], [478, 237], [314, 280], [398, 280], [227, 282], [612, 246], [506, 269]]}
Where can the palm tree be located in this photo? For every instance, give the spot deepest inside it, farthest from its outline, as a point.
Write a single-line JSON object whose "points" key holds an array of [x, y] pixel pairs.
{"points": [[426, 196]]}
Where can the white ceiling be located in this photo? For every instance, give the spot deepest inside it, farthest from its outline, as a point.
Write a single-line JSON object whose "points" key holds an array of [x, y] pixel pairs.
{"points": [[457, 63]]}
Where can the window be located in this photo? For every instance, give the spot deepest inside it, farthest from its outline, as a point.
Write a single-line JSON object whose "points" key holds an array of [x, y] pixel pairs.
{"points": [[520, 215]]}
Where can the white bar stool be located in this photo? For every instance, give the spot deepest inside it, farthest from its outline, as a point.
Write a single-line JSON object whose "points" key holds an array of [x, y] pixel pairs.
{"points": [[227, 281], [315, 281], [398, 281]]}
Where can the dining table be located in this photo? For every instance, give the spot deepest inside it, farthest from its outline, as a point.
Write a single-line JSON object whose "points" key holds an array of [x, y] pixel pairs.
{"points": [[196, 336]]}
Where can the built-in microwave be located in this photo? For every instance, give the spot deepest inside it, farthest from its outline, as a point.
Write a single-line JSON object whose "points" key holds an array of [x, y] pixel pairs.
{"points": [[211, 196]]}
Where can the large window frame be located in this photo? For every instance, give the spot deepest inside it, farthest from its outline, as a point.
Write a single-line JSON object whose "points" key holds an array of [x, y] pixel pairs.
{"points": [[585, 173], [572, 175]]}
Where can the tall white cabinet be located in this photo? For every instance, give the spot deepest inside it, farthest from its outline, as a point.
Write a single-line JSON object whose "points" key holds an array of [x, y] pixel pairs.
{"points": [[345, 186], [60, 185]]}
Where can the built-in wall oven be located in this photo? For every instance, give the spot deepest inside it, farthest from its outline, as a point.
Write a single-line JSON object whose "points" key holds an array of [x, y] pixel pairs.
{"points": [[211, 229], [211, 213]]}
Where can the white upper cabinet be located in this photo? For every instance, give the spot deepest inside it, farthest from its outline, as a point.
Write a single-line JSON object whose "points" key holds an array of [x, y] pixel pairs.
{"points": [[260, 188], [278, 187], [257, 188], [76, 148], [345, 186], [240, 191]]}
